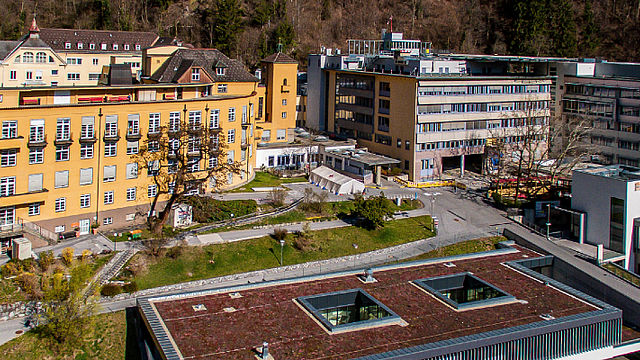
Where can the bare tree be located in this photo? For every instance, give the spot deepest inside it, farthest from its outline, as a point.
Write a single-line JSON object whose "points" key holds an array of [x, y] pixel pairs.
{"points": [[182, 159]]}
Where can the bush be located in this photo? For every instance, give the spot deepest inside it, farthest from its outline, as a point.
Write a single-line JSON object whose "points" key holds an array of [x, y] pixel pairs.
{"points": [[372, 212], [46, 259], [277, 196], [279, 233], [130, 287], [10, 269], [175, 252], [30, 285], [206, 209], [111, 290], [67, 256]]}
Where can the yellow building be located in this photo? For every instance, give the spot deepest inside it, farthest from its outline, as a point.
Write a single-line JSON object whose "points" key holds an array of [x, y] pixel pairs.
{"points": [[68, 153], [70, 57], [280, 76]]}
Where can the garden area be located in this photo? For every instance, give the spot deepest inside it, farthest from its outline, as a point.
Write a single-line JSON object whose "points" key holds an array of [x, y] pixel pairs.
{"points": [[184, 263], [266, 179], [465, 247]]}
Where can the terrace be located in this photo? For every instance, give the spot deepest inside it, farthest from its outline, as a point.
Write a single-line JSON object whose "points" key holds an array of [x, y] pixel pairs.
{"points": [[366, 318]]}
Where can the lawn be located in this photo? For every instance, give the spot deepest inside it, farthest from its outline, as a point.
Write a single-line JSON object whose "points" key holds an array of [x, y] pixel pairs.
{"points": [[111, 338], [265, 179], [196, 263], [635, 280], [465, 247]]}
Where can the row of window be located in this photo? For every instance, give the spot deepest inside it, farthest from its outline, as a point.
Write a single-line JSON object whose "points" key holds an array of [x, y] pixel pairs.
{"points": [[482, 90], [103, 46], [482, 107], [27, 57], [480, 124]]}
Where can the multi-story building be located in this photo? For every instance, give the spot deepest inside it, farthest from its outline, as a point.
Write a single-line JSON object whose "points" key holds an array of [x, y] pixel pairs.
{"points": [[606, 96], [70, 57], [68, 152], [432, 113]]}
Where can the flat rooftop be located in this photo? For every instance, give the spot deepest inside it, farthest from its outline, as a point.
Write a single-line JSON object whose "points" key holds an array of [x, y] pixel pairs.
{"points": [[230, 323], [618, 172], [363, 156], [305, 141]]}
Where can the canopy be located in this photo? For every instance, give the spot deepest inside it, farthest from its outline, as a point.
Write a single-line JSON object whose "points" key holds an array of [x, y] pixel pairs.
{"points": [[335, 182]]}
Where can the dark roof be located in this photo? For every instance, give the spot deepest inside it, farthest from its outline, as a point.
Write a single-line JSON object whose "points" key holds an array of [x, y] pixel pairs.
{"points": [[6, 47], [120, 74], [170, 41], [56, 38], [279, 58], [229, 326], [207, 59]]}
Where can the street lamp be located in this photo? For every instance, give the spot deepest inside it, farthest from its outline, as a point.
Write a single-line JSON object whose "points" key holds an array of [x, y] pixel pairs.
{"points": [[281, 249], [548, 219]]}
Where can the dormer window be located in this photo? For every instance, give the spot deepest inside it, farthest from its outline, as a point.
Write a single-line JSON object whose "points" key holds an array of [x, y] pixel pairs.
{"points": [[195, 74], [67, 45], [103, 46], [137, 46], [80, 45], [126, 47], [92, 46], [220, 71], [115, 46]]}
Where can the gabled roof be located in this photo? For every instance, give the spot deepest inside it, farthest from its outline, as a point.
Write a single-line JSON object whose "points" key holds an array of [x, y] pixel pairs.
{"points": [[57, 38], [208, 60], [280, 58]]}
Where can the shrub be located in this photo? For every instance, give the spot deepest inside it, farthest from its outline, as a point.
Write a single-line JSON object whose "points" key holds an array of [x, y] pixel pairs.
{"points": [[373, 212], [111, 290], [130, 287], [175, 252], [67, 256], [10, 269], [206, 209], [279, 233], [277, 196], [86, 253], [29, 284], [46, 259]]}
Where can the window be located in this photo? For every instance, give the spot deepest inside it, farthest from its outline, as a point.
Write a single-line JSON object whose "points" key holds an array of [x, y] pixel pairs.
{"points": [[284, 114], [153, 168], [220, 71], [154, 123], [94, 61], [63, 129], [231, 136], [74, 61], [110, 149], [222, 88], [54, 72], [67, 45], [464, 291], [80, 45], [61, 204], [107, 221], [109, 173], [7, 186], [35, 182], [229, 178], [12, 75], [73, 76], [153, 146], [407, 145], [213, 162], [36, 156], [132, 147], [62, 153], [383, 123], [59, 229], [194, 165], [214, 121], [126, 47], [266, 135], [85, 200], [92, 46], [28, 75], [111, 126], [8, 157], [281, 134], [62, 179], [103, 46], [86, 176], [399, 143], [230, 156], [244, 114], [133, 124], [174, 121], [34, 209], [232, 114], [195, 74], [115, 46], [27, 57], [284, 102], [195, 120], [39, 75], [108, 197], [86, 151], [131, 194], [132, 170], [9, 129], [87, 129], [616, 225], [137, 46], [152, 190]]}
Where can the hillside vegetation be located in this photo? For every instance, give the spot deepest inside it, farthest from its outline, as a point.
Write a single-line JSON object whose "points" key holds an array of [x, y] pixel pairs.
{"points": [[250, 29]]}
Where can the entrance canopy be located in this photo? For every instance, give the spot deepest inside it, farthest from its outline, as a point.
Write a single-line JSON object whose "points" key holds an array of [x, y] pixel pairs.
{"points": [[335, 182]]}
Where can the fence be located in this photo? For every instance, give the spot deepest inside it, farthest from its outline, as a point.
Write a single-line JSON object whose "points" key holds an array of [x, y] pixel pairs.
{"points": [[429, 184]]}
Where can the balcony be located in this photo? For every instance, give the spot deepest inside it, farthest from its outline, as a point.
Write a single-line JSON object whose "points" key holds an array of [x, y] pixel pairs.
{"points": [[88, 138], [113, 135], [60, 140], [37, 141], [154, 135], [246, 124], [133, 135], [11, 143], [194, 128], [215, 129]]}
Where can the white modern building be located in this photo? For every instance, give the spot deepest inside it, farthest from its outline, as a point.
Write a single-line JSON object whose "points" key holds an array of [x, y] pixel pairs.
{"points": [[610, 197]]}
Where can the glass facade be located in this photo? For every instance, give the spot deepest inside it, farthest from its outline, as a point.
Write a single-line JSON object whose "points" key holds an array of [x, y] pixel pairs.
{"points": [[616, 225]]}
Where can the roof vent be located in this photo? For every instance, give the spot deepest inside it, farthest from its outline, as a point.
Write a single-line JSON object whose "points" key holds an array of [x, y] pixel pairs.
{"points": [[367, 277], [199, 307], [547, 317], [263, 351], [235, 295], [449, 264]]}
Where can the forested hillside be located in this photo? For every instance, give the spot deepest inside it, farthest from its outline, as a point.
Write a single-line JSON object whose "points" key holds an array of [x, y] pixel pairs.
{"points": [[249, 29]]}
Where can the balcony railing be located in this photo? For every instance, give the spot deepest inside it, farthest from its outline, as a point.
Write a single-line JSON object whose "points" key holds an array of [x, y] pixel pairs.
{"points": [[133, 134], [63, 140], [37, 141], [112, 135]]}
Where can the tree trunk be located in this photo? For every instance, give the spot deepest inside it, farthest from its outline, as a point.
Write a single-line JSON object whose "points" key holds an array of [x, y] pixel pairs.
{"points": [[158, 222]]}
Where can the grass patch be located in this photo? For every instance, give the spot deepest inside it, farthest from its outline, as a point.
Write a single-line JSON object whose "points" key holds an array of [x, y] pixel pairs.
{"points": [[265, 179], [465, 247], [635, 280], [196, 263], [106, 341]]}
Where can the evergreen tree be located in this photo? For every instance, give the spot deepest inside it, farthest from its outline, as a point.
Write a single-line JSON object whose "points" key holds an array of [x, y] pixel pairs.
{"points": [[227, 22], [283, 35], [590, 39], [262, 13], [563, 34], [528, 34]]}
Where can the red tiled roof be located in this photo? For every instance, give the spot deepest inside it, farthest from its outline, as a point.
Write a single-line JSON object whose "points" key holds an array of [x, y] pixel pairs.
{"points": [[270, 314], [279, 58]]}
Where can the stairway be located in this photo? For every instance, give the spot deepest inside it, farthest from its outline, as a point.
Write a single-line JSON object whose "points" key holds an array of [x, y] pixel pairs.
{"points": [[110, 270]]}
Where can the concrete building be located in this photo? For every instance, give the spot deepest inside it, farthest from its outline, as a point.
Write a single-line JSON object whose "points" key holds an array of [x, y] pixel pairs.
{"points": [[68, 153], [300, 154], [69, 57], [433, 113], [610, 198], [495, 304]]}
